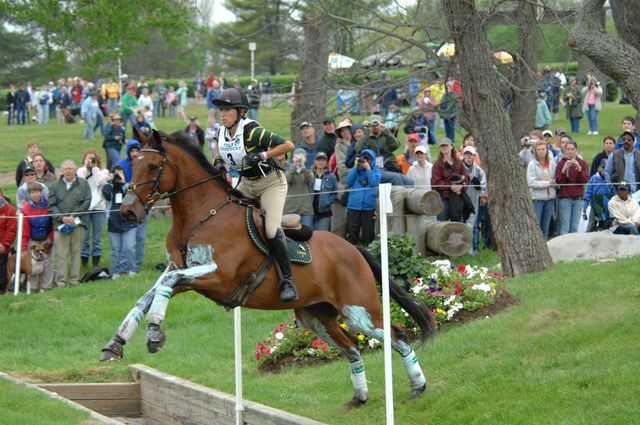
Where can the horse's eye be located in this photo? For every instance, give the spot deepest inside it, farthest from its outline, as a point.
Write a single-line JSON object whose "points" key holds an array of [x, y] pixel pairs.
{"points": [[153, 167]]}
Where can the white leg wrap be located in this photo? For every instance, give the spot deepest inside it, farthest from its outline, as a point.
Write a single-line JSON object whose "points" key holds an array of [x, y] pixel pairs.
{"points": [[159, 306], [130, 324], [416, 377], [359, 380]]}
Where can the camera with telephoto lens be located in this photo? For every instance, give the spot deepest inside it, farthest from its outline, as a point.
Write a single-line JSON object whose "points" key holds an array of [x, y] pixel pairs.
{"points": [[92, 161], [360, 160]]}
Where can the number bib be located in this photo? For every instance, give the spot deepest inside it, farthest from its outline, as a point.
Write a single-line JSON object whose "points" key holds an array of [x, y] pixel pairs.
{"points": [[232, 148]]}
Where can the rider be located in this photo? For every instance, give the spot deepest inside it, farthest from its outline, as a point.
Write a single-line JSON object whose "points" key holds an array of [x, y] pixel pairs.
{"points": [[252, 150]]}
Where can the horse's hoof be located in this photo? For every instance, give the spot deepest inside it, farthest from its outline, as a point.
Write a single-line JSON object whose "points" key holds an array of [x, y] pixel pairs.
{"points": [[113, 351], [354, 403], [155, 338], [417, 392]]}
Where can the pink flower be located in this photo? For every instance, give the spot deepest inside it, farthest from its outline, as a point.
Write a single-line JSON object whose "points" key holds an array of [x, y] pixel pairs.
{"points": [[258, 356], [260, 346], [317, 343], [325, 347], [267, 352]]}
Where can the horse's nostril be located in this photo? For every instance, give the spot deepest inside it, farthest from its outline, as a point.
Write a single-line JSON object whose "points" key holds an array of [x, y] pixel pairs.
{"points": [[130, 217]]}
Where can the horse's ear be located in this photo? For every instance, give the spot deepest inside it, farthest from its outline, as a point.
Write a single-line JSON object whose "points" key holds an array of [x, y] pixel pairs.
{"points": [[154, 139], [139, 136]]}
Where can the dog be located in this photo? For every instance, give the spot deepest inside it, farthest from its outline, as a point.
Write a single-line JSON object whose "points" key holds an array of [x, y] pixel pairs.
{"points": [[68, 116], [31, 264]]}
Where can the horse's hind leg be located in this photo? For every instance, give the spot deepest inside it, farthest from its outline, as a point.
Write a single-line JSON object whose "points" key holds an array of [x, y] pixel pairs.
{"points": [[321, 319], [359, 319]]}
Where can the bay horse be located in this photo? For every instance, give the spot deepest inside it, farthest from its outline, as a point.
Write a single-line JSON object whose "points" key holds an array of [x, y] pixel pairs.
{"points": [[211, 252]]}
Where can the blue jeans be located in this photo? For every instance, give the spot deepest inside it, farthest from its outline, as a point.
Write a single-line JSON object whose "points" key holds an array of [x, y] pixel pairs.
{"points": [[11, 116], [569, 211], [122, 251], [575, 125], [43, 114], [89, 120], [21, 114], [128, 118], [112, 105], [99, 123], [626, 229], [444, 214], [323, 223], [253, 114], [592, 116], [95, 222], [141, 237], [450, 128], [113, 156], [307, 220], [544, 210]]}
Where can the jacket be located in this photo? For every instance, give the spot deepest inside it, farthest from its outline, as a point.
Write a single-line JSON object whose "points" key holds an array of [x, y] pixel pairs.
{"points": [[299, 200], [8, 226], [126, 163], [67, 202], [538, 180], [37, 224], [358, 178], [110, 133], [585, 98], [573, 178], [598, 185], [116, 223], [543, 117], [327, 144], [384, 144], [618, 165], [97, 178], [327, 194], [441, 177], [625, 212]]}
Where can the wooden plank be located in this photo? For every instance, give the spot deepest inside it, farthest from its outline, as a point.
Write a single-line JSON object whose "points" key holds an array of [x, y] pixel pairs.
{"points": [[95, 391], [128, 408], [188, 415]]}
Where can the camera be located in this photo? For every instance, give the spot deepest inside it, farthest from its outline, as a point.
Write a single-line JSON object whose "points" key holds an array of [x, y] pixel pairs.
{"points": [[360, 160], [92, 161]]}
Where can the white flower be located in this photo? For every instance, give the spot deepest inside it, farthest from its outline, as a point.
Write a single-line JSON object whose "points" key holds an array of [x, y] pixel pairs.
{"points": [[450, 300], [482, 287], [373, 342], [279, 335], [453, 310], [274, 348], [417, 289]]}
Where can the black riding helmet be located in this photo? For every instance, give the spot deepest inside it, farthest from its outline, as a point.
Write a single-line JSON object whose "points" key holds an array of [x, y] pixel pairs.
{"points": [[232, 98]]}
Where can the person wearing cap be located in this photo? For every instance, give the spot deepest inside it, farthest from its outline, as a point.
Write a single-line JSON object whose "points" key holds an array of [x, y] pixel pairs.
{"points": [[251, 149], [543, 116], [378, 139], [128, 107], [449, 178], [476, 191], [468, 140], [625, 211], [416, 123], [299, 199], [597, 194], [363, 179], [407, 158], [541, 179], [572, 172], [29, 177], [8, 232], [420, 169], [573, 104], [327, 143], [609, 143], [344, 143], [624, 163], [629, 124], [309, 142], [194, 131], [113, 140], [324, 188], [44, 100]]}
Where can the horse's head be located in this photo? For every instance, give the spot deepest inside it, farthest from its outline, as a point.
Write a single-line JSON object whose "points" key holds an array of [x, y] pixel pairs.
{"points": [[153, 173]]}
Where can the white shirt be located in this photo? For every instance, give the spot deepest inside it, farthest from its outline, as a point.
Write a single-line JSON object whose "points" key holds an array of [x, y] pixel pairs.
{"points": [[421, 175]]}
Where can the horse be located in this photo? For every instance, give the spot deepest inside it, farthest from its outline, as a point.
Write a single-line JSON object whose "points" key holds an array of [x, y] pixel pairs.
{"points": [[211, 252]]}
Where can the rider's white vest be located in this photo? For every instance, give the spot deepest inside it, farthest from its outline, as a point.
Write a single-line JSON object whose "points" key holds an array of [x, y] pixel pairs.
{"points": [[232, 148]]}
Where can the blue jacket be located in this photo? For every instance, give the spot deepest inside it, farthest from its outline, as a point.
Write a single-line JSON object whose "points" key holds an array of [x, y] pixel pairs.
{"points": [[363, 200], [596, 187], [116, 223], [125, 163], [328, 192], [212, 94]]}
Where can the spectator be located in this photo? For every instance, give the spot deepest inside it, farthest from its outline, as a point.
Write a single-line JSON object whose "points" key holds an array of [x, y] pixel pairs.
{"points": [[171, 101], [388, 95], [379, 140], [393, 119], [8, 226], [212, 93], [448, 177], [128, 107], [267, 92], [325, 192], [543, 116], [300, 179], [33, 147], [629, 124], [344, 142], [309, 142], [420, 170], [625, 211], [476, 191], [609, 146], [253, 94], [195, 132], [527, 153], [624, 163], [54, 91], [38, 230], [181, 97], [448, 109], [468, 140], [327, 143], [22, 195], [23, 99], [96, 176], [417, 123], [429, 105], [148, 117], [573, 102], [363, 179], [159, 109], [598, 193], [133, 151], [112, 93], [210, 134], [64, 105], [571, 174], [407, 158], [541, 178], [43, 175], [145, 100], [414, 91], [89, 111], [122, 236], [141, 127], [198, 88], [70, 197], [11, 104], [44, 99], [113, 140], [591, 102]]}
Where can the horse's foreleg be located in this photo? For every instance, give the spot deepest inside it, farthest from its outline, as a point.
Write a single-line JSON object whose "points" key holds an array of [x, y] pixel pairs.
{"points": [[360, 320], [114, 348]]}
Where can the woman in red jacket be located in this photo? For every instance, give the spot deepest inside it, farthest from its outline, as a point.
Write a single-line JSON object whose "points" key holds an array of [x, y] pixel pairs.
{"points": [[38, 230], [8, 226], [449, 178], [572, 173]]}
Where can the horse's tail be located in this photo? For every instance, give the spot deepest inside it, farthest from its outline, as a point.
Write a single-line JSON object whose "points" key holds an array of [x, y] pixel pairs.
{"points": [[418, 313]]}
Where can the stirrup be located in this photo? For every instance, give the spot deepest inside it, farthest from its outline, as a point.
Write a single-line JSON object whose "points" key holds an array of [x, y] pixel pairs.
{"points": [[288, 291]]}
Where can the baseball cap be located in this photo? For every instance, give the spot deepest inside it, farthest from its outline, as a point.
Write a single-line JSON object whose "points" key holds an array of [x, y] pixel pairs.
{"points": [[446, 141], [193, 118], [328, 120], [413, 136], [305, 124], [470, 149], [29, 170], [421, 148], [321, 155], [603, 163], [375, 119], [117, 117], [547, 132], [624, 186], [561, 130], [343, 124], [628, 134]]}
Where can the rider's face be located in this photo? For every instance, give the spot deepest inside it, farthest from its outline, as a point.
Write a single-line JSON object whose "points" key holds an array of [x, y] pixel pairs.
{"points": [[228, 116]]}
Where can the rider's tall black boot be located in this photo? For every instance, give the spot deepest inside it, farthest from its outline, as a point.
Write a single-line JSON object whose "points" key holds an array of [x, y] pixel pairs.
{"points": [[279, 250]]}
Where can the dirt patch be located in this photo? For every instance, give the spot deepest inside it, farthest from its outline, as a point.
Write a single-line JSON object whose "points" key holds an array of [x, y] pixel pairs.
{"points": [[64, 376], [7, 178]]}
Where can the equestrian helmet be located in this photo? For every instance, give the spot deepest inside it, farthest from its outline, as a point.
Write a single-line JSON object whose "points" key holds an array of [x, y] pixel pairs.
{"points": [[232, 98]]}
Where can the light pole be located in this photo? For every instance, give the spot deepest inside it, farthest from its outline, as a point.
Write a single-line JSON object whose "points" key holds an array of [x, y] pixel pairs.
{"points": [[252, 48], [117, 49]]}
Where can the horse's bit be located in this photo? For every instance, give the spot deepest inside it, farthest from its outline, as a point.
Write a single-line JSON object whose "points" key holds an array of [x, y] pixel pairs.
{"points": [[153, 196]]}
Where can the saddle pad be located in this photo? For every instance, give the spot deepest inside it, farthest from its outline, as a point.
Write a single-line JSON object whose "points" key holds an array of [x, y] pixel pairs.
{"points": [[299, 252]]}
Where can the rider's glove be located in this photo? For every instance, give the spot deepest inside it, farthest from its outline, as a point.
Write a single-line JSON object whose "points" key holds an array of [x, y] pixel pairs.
{"points": [[218, 164], [254, 158]]}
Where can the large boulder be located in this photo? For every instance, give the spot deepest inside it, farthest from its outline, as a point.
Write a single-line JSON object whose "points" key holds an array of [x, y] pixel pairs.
{"points": [[593, 246]]}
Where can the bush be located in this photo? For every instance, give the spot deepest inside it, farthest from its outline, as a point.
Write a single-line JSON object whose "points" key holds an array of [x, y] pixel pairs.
{"points": [[612, 91]]}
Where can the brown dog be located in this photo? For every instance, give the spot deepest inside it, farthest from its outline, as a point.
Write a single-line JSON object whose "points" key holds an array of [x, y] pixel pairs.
{"points": [[31, 264]]}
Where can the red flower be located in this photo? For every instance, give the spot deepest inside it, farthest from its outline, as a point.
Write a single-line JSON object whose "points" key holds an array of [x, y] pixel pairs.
{"points": [[325, 347], [462, 268], [458, 289], [276, 330], [260, 346], [258, 356], [267, 352], [317, 343]]}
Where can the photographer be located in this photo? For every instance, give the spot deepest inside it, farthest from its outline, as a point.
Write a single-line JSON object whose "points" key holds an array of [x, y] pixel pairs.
{"points": [[591, 102], [363, 179], [299, 199], [97, 177], [381, 142], [572, 172], [527, 153], [417, 123]]}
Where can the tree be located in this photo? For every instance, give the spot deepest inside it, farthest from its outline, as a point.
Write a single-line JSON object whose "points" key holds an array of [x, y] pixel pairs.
{"points": [[619, 58], [521, 246]]}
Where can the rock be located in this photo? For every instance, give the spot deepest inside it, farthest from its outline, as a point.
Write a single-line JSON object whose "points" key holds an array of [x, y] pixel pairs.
{"points": [[593, 246]]}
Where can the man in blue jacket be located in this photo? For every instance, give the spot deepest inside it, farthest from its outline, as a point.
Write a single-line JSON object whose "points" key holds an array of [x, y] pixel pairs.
{"points": [[133, 151], [363, 179]]}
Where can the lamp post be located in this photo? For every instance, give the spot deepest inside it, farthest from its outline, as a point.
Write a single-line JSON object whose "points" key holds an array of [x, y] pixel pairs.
{"points": [[252, 48], [117, 49]]}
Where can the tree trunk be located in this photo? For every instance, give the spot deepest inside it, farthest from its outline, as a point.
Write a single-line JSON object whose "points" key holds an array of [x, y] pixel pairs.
{"points": [[613, 56], [312, 99], [626, 16], [526, 62], [520, 243]]}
